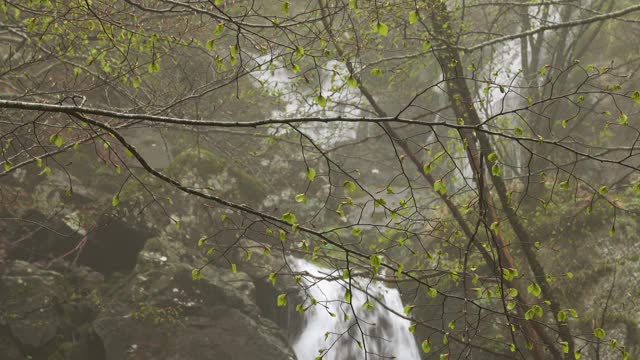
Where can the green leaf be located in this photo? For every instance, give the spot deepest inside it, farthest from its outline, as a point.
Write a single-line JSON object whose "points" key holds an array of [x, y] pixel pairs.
{"points": [[599, 333], [573, 313], [603, 190], [408, 309], [636, 96], [219, 29], [562, 316], [46, 171], [195, 274], [347, 296], [413, 17], [564, 185], [565, 347], [518, 131], [493, 157], [210, 44], [426, 346], [38, 162], [282, 300], [234, 268], [321, 100], [529, 314], [356, 231], [299, 51], [273, 277], [295, 68], [283, 235], [412, 328], [353, 4], [202, 241], [153, 67], [577, 355], [440, 187], [7, 165], [432, 292], [426, 45], [301, 198], [569, 275], [495, 170], [115, 200], [375, 262], [285, 7], [352, 82], [537, 309], [623, 119], [513, 292], [534, 289], [376, 72], [233, 50], [495, 227], [136, 81], [56, 139], [289, 217], [311, 174], [512, 347], [382, 28], [452, 324], [350, 185], [426, 168]]}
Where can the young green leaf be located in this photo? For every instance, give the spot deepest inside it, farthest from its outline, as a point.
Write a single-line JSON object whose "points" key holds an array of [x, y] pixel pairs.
{"points": [[195, 274], [352, 82], [408, 309], [623, 119], [375, 262], [426, 346], [321, 100], [311, 174], [282, 300], [413, 17], [562, 316], [599, 333], [289, 217], [534, 289], [382, 28], [349, 185]]}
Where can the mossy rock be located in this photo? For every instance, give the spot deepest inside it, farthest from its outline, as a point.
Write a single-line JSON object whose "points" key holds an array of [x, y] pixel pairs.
{"points": [[202, 168]]}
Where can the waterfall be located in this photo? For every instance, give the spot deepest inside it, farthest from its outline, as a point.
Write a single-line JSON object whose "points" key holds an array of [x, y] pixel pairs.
{"points": [[386, 334]]}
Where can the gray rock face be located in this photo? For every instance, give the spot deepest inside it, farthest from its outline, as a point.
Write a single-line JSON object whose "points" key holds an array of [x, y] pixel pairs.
{"points": [[156, 311]]}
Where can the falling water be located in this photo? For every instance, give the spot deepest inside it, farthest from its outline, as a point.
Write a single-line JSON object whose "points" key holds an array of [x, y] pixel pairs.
{"points": [[336, 338]]}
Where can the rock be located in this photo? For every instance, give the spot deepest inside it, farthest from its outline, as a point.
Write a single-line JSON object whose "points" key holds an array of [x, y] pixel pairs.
{"points": [[44, 316], [160, 312]]}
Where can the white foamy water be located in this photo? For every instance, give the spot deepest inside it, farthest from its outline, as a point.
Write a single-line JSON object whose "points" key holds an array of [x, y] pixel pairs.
{"points": [[386, 334]]}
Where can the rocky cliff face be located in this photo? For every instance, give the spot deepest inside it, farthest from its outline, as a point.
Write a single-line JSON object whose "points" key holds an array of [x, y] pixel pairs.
{"points": [[155, 311]]}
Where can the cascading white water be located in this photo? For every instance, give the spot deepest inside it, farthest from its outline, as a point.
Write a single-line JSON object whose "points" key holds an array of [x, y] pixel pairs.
{"points": [[386, 334]]}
